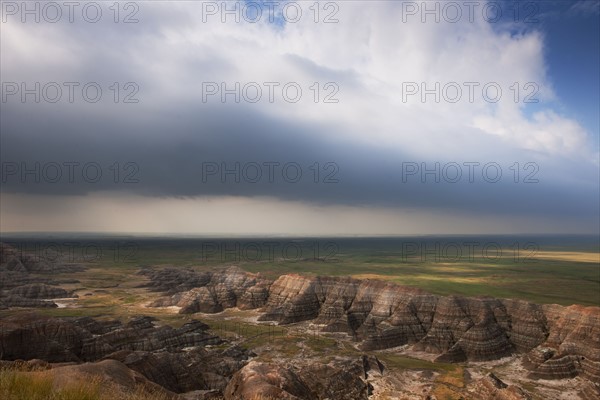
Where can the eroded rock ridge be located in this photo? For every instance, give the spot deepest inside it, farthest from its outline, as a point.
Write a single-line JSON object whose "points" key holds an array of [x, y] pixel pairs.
{"points": [[558, 342]]}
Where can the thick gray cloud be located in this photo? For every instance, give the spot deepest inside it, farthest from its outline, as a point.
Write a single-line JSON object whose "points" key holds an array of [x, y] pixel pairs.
{"points": [[171, 135], [174, 148]]}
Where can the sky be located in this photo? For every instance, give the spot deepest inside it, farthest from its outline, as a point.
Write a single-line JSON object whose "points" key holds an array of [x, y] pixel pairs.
{"points": [[374, 118]]}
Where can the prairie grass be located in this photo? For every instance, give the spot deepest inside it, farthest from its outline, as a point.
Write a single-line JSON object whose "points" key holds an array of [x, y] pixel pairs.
{"points": [[16, 385]]}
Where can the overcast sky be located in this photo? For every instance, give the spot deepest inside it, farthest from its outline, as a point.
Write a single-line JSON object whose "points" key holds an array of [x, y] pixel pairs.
{"points": [[370, 121]]}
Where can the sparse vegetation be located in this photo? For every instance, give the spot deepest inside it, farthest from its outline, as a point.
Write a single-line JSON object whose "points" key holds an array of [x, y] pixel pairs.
{"points": [[402, 362], [447, 386], [17, 385]]}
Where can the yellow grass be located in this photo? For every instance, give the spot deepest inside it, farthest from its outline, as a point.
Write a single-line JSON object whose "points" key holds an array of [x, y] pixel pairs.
{"points": [[442, 392], [577, 256], [15, 385], [374, 276], [453, 378], [447, 386]]}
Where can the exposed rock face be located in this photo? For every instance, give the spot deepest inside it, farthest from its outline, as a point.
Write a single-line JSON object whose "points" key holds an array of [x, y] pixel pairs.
{"points": [[572, 347], [185, 371], [468, 329], [590, 391], [25, 278], [492, 388], [175, 280], [336, 381], [40, 291], [18, 301], [15, 260], [58, 340], [559, 341], [53, 340], [171, 357], [209, 292]]}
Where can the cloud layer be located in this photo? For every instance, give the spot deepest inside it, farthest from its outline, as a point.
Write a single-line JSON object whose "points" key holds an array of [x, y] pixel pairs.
{"points": [[376, 62]]}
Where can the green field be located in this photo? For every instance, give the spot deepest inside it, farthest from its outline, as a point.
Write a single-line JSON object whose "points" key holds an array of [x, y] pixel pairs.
{"points": [[548, 269]]}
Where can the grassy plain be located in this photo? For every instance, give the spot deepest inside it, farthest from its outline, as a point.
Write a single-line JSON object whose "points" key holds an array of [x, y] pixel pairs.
{"points": [[548, 269]]}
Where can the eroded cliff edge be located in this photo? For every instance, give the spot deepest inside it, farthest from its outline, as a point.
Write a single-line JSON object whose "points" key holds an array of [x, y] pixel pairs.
{"points": [[557, 342]]}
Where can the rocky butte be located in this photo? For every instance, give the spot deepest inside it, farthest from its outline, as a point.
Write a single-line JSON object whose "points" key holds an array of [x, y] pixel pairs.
{"points": [[557, 342]]}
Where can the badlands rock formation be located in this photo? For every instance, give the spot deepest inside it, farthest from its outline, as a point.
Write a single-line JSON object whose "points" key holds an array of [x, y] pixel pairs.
{"points": [[491, 387], [558, 342], [14, 260], [174, 358], [26, 279], [339, 380], [85, 339], [40, 291], [207, 291]]}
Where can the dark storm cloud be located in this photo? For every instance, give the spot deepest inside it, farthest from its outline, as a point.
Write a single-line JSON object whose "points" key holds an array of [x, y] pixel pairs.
{"points": [[170, 136], [173, 148]]}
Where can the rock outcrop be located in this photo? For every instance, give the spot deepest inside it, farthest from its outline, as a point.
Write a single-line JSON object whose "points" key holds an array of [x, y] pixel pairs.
{"points": [[492, 388], [185, 371], [572, 347], [18, 301], [26, 279], [174, 358], [40, 291], [61, 339], [339, 380], [559, 342], [15, 260], [590, 391], [208, 292]]}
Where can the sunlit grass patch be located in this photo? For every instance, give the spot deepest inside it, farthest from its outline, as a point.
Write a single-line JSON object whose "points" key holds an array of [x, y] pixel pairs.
{"points": [[448, 385], [15, 385], [577, 256], [402, 362]]}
